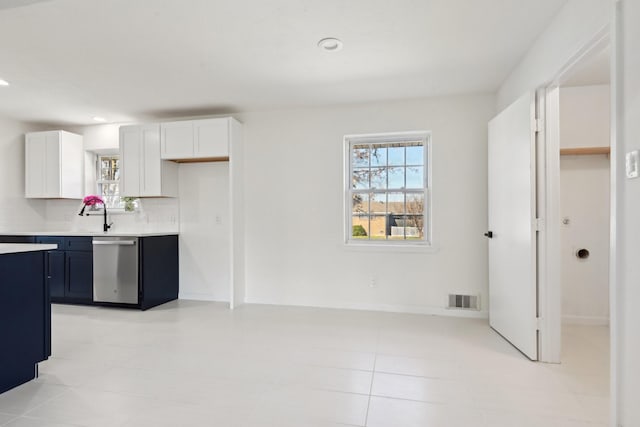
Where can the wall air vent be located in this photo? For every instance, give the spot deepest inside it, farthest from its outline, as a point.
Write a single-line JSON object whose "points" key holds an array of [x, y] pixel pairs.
{"points": [[464, 302]]}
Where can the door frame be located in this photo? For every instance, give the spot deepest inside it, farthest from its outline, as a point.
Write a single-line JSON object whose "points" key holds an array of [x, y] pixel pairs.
{"points": [[549, 263]]}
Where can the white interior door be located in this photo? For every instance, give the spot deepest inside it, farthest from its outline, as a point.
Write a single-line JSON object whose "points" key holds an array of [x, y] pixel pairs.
{"points": [[512, 225]]}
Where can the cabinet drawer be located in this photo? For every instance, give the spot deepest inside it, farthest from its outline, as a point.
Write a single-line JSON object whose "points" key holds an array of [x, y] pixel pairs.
{"points": [[79, 244], [52, 240], [17, 239]]}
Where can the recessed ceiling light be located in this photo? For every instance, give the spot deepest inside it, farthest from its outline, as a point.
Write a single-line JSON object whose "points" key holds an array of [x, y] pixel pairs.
{"points": [[99, 119], [330, 44], [4, 83]]}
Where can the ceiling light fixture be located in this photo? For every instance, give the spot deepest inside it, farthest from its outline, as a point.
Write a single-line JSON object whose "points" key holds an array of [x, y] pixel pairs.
{"points": [[99, 119], [4, 83], [330, 44]]}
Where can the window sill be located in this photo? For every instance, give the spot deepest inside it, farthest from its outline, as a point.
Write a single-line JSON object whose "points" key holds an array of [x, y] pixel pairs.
{"points": [[391, 247]]}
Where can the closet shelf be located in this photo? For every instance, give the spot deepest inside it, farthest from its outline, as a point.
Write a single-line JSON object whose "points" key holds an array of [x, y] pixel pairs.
{"points": [[582, 151]]}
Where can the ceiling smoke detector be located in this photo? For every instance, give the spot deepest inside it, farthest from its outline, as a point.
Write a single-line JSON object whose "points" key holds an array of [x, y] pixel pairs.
{"points": [[330, 44]]}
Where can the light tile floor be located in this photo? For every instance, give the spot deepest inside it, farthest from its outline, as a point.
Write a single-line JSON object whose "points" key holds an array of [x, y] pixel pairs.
{"points": [[192, 363]]}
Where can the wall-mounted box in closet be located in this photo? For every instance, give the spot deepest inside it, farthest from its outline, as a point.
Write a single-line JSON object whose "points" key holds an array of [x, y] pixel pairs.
{"points": [[143, 173], [201, 140], [53, 165]]}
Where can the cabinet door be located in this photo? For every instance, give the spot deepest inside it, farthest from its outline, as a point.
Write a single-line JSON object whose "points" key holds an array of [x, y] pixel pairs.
{"points": [[79, 280], [211, 138], [55, 264], [177, 140], [52, 166], [71, 166], [151, 163], [35, 164], [55, 273], [130, 145]]}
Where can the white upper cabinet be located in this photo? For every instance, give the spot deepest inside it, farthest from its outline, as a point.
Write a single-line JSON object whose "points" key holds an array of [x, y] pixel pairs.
{"points": [[206, 139], [211, 138], [130, 159], [54, 163], [177, 140], [142, 172]]}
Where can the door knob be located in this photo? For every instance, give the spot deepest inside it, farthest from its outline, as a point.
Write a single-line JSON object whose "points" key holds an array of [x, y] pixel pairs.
{"points": [[489, 234]]}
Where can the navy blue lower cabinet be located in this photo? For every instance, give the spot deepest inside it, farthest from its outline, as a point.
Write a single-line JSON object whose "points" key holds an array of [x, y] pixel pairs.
{"points": [[55, 273], [69, 269], [17, 239], [25, 317], [79, 276], [158, 270]]}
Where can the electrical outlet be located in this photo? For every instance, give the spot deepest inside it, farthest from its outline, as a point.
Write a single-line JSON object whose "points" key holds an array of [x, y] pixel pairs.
{"points": [[218, 219], [373, 283]]}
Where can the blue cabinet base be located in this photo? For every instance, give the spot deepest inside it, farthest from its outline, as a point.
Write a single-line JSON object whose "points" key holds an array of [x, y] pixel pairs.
{"points": [[69, 269], [25, 317]]}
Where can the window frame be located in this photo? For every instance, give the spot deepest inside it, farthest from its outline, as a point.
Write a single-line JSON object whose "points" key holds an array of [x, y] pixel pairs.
{"points": [[388, 138], [101, 182]]}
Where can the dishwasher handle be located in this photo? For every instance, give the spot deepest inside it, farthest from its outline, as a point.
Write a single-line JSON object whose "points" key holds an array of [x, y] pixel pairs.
{"points": [[114, 242]]}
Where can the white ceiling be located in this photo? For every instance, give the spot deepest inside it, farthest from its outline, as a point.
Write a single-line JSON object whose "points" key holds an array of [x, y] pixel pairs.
{"points": [[68, 60]]}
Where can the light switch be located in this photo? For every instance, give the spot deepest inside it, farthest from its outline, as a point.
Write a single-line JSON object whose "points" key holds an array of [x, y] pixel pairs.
{"points": [[632, 164]]}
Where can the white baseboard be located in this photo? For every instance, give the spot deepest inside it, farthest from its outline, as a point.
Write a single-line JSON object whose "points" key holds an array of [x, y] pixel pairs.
{"points": [[585, 320], [198, 297], [389, 308]]}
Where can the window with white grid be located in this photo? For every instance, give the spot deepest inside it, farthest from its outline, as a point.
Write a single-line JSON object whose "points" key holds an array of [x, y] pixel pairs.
{"points": [[387, 188], [108, 181]]}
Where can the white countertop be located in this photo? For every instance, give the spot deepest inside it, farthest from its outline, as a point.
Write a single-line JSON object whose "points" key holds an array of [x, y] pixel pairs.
{"points": [[13, 248], [88, 233]]}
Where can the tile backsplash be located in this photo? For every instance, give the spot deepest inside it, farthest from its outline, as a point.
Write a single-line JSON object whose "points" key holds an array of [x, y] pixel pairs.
{"points": [[153, 215]]}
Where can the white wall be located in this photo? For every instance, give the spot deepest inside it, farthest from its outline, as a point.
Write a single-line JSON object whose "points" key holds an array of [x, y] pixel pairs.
{"points": [[584, 191], [15, 210], [100, 137], [294, 207], [584, 201], [575, 25], [584, 116], [628, 220], [204, 231]]}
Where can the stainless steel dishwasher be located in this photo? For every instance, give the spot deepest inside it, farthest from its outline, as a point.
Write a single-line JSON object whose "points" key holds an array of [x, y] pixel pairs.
{"points": [[115, 269]]}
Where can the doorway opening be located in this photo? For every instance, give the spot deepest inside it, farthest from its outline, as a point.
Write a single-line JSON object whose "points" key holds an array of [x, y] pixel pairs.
{"points": [[584, 98]]}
